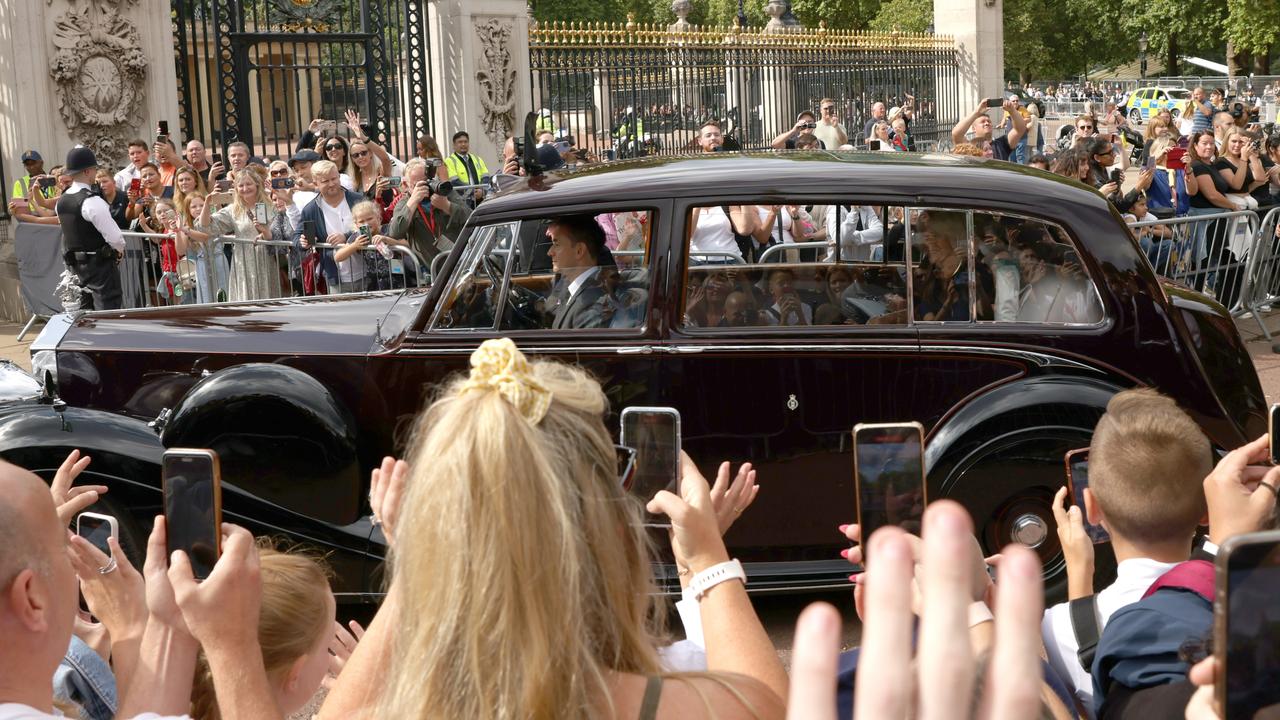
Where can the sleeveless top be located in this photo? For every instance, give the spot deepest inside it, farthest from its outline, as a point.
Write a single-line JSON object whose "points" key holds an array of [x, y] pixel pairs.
{"points": [[652, 694]]}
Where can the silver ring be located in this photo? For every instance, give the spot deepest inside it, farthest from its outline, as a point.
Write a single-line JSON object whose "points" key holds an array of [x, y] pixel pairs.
{"points": [[108, 568], [373, 520]]}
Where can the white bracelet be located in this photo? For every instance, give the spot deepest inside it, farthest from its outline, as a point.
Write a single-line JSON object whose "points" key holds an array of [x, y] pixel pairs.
{"points": [[714, 575]]}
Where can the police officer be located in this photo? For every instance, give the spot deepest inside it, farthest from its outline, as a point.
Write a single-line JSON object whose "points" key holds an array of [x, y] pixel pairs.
{"points": [[91, 240]]}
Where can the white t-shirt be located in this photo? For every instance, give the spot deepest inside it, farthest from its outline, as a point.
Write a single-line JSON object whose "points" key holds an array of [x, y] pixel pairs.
{"points": [[714, 234], [346, 181], [14, 711], [1133, 577]]}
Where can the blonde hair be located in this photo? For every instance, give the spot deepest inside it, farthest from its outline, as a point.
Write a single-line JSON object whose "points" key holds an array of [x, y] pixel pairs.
{"points": [[526, 562], [362, 207], [321, 167], [294, 618], [357, 176], [1147, 465], [238, 208], [1226, 140]]}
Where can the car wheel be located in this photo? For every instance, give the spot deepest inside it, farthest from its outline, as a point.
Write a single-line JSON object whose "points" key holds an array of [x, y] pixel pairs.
{"points": [[1135, 116], [1008, 487]]}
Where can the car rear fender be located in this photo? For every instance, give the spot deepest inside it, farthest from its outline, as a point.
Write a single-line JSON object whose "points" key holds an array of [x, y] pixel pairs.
{"points": [[1053, 403]]}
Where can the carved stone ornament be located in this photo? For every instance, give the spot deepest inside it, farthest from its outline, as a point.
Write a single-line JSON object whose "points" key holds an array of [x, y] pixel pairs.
{"points": [[497, 78], [100, 71], [681, 9]]}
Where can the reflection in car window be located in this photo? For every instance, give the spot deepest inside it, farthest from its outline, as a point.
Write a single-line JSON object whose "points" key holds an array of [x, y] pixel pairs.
{"points": [[1035, 272], [569, 272], [943, 282], [782, 268]]}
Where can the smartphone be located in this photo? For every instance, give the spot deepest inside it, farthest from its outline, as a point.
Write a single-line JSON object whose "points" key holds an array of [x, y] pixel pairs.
{"points": [[1149, 163], [217, 157], [192, 489], [1077, 462], [135, 186], [309, 231], [366, 232], [394, 181], [283, 183], [260, 212], [888, 473], [1273, 419], [563, 147], [1176, 159], [1246, 629], [222, 185], [46, 182], [329, 126], [654, 434], [1117, 177], [97, 529], [995, 102], [873, 144], [162, 128]]}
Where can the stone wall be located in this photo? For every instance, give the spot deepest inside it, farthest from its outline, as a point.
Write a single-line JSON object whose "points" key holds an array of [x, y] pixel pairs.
{"points": [[978, 29]]}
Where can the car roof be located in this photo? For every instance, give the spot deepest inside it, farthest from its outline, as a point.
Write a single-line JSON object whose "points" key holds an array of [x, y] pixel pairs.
{"points": [[911, 178]]}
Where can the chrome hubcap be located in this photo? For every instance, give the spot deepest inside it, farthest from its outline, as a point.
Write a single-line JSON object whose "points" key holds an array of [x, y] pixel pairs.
{"points": [[1030, 530]]}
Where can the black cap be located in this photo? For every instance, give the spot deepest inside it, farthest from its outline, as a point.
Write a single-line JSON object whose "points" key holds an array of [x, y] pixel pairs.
{"points": [[305, 156], [78, 160]]}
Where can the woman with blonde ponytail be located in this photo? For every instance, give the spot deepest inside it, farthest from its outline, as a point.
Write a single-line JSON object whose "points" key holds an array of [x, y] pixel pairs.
{"points": [[295, 626], [521, 576]]}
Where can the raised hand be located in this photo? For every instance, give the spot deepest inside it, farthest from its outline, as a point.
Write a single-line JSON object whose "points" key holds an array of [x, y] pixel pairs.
{"points": [[1077, 546], [730, 499], [71, 501], [386, 488]]}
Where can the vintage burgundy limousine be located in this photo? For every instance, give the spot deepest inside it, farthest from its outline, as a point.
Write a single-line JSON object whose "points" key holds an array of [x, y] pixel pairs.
{"points": [[999, 306]]}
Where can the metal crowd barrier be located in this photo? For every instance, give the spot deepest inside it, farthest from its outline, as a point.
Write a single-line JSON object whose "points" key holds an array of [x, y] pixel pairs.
{"points": [[1262, 281], [1055, 109], [1207, 252], [227, 268]]}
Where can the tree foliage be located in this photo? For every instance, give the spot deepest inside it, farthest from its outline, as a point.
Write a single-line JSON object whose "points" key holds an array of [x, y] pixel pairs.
{"points": [[904, 15], [1253, 25]]}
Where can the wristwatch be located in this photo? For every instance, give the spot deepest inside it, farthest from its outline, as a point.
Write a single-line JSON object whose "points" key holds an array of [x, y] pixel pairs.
{"points": [[714, 575]]}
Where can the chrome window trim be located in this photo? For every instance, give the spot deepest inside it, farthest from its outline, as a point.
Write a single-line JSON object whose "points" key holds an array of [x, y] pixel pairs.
{"points": [[1038, 359]]}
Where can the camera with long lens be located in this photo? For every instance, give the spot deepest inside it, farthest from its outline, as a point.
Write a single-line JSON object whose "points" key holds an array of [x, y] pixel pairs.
{"points": [[435, 184], [808, 125]]}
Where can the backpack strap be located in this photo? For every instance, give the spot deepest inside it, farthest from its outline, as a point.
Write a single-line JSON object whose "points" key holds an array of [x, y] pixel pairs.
{"points": [[1086, 624], [1194, 575]]}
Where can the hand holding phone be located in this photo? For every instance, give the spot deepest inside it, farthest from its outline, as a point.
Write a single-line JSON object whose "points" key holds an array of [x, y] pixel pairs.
{"points": [[1077, 466], [192, 489], [995, 102], [888, 466]]}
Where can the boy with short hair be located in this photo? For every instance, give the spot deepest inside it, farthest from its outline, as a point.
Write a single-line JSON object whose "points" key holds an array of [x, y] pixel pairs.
{"points": [[1147, 462]]}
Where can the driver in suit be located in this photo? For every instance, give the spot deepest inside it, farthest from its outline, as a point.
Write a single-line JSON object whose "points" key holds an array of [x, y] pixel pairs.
{"points": [[577, 252]]}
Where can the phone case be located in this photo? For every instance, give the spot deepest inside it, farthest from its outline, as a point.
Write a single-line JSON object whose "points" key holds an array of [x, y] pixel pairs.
{"points": [[857, 484], [111, 521], [1271, 433], [1222, 573], [217, 488]]}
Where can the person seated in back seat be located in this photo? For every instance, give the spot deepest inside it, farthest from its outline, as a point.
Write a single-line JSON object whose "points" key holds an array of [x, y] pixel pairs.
{"points": [[740, 309], [625, 298], [787, 307]]}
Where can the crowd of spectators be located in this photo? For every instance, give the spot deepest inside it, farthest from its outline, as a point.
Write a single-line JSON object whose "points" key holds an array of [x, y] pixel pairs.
{"points": [[235, 227], [539, 602]]}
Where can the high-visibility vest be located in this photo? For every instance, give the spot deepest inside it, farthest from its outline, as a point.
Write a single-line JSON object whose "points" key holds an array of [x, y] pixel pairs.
{"points": [[458, 168]]}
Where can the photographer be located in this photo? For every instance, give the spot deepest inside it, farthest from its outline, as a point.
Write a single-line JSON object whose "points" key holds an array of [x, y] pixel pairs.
{"points": [[829, 130], [805, 126], [430, 228], [979, 127]]}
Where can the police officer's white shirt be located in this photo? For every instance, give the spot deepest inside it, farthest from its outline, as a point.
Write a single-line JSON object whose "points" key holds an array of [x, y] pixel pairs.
{"points": [[95, 210]]}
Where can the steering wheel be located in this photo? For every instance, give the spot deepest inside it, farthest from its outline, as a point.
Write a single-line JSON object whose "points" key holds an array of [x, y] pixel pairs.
{"points": [[522, 311]]}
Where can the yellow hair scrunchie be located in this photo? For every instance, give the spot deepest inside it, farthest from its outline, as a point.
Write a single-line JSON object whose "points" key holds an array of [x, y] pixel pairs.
{"points": [[499, 365]]}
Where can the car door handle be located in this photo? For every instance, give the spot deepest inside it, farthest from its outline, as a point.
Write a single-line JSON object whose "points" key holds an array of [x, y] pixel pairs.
{"points": [[636, 350], [684, 349]]}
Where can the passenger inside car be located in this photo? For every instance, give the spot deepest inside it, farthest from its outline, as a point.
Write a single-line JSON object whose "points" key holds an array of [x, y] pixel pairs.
{"points": [[943, 284]]}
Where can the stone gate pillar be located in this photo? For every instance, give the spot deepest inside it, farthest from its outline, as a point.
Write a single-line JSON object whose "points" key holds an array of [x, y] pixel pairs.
{"points": [[480, 72], [978, 28], [91, 72]]}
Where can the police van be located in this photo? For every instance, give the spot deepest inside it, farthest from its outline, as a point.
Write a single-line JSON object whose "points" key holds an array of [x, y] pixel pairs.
{"points": [[1143, 103]]}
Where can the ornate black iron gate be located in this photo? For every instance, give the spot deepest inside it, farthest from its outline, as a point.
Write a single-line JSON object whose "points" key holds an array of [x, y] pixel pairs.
{"points": [[259, 71]]}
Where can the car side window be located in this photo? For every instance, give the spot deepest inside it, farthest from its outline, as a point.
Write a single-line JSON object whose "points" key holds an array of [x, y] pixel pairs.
{"points": [[943, 277], [1032, 273], [794, 265], [568, 272]]}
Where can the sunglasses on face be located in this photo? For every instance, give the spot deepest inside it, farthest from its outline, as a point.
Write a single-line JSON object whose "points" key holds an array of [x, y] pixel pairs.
{"points": [[332, 147], [279, 173], [360, 154], [1085, 127]]}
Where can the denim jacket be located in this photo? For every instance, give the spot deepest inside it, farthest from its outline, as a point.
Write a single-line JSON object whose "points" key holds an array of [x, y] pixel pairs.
{"points": [[85, 679]]}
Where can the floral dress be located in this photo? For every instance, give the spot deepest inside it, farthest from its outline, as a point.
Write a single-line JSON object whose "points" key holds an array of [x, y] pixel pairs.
{"points": [[255, 273]]}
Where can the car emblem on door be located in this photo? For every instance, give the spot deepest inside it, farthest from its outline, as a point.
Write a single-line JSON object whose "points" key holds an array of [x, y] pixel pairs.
{"points": [[792, 403]]}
